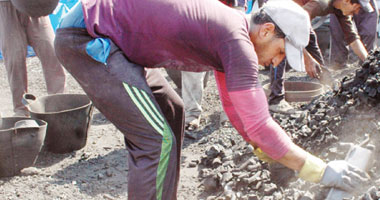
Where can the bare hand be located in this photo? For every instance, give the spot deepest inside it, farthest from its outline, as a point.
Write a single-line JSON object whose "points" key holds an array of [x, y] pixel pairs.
{"points": [[313, 69]]}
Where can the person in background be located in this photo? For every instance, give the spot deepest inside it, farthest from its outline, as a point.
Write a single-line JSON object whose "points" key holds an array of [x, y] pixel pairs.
{"points": [[343, 10], [366, 25], [113, 52], [192, 93], [17, 31]]}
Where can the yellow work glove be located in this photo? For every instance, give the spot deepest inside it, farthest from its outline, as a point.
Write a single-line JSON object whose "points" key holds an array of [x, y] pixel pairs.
{"points": [[262, 155], [313, 169]]}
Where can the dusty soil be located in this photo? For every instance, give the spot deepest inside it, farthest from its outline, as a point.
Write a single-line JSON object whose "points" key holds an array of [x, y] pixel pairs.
{"points": [[99, 170]]}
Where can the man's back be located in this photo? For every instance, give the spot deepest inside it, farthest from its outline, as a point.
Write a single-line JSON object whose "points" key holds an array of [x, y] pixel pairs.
{"points": [[170, 33]]}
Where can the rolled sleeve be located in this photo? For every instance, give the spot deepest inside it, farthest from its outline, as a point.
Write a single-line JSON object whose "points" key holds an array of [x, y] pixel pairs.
{"points": [[348, 28]]}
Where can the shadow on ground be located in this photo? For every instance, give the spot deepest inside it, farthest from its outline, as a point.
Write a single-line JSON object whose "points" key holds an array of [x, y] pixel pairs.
{"points": [[105, 174]]}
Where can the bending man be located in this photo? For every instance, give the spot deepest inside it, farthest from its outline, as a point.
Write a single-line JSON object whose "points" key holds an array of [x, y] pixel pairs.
{"points": [[107, 45]]}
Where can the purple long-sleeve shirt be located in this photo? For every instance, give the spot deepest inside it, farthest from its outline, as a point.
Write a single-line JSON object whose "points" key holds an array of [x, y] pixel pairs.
{"points": [[190, 35], [194, 35]]}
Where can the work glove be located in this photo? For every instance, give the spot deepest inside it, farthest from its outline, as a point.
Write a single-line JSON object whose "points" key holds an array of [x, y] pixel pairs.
{"points": [[342, 175], [262, 155], [339, 174]]}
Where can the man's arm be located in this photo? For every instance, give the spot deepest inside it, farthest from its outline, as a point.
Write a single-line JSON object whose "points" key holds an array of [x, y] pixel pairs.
{"points": [[312, 67], [351, 36], [294, 158], [227, 104], [250, 113], [359, 49]]}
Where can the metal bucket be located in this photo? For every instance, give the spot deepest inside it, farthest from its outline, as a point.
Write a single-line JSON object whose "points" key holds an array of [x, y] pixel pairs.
{"points": [[19, 145], [68, 116], [298, 91], [35, 8]]}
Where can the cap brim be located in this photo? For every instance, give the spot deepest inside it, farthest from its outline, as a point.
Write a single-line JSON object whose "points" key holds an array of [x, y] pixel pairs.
{"points": [[367, 7], [294, 56]]}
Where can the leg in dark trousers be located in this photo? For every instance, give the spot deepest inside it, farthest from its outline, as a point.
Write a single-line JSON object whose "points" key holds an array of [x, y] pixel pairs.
{"points": [[277, 79], [278, 75], [366, 23], [140, 103]]}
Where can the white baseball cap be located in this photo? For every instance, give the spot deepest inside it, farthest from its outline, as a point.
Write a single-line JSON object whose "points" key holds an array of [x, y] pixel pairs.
{"points": [[366, 5], [294, 22]]}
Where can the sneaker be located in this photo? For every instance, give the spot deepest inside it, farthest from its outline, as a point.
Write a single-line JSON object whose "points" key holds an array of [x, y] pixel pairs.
{"points": [[282, 107]]}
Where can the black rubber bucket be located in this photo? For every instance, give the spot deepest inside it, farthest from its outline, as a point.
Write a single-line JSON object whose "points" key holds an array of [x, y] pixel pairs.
{"points": [[35, 8], [298, 91], [19, 145], [69, 117]]}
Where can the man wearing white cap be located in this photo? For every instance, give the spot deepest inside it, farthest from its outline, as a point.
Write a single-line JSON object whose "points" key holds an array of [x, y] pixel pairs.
{"points": [[191, 35], [343, 10]]}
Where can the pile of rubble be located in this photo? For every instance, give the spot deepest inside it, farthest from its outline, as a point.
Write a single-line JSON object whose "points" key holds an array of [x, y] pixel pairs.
{"points": [[230, 171], [359, 95], [348, 114]]}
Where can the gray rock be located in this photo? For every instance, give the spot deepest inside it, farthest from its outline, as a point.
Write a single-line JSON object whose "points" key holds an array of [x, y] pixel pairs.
{"points": [[216, 162], [372, 191], [192, 165], [278, 196], [214, 150], [210, 184], [226, 177], [100, 176], [211, 198], [109, 173], [307, 196], [252, 197], [269, 188]]}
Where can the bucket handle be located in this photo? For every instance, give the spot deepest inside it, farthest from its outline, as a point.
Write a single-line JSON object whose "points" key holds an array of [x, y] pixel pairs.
{"points": [[27, 99], [26, 124]]}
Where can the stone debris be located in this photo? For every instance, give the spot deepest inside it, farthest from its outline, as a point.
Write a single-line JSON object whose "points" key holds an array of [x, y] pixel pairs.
{"points": [[230, 171]]}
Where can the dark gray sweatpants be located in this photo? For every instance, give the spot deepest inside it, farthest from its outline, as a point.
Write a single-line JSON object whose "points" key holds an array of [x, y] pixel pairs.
{"points": [[140, 103], [366, 24]]}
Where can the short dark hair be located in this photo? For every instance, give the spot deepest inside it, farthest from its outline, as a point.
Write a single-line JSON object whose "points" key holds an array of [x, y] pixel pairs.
{"points": [[261, 17]]}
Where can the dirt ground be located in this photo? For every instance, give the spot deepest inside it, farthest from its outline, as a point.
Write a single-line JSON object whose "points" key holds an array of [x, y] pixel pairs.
{"points": [[99, 170]]}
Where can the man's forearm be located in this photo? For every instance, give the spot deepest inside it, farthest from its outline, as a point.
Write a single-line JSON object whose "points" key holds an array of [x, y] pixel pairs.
{"points": [[294, 158], [312, 67], [359, 49], [309, 167]]}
